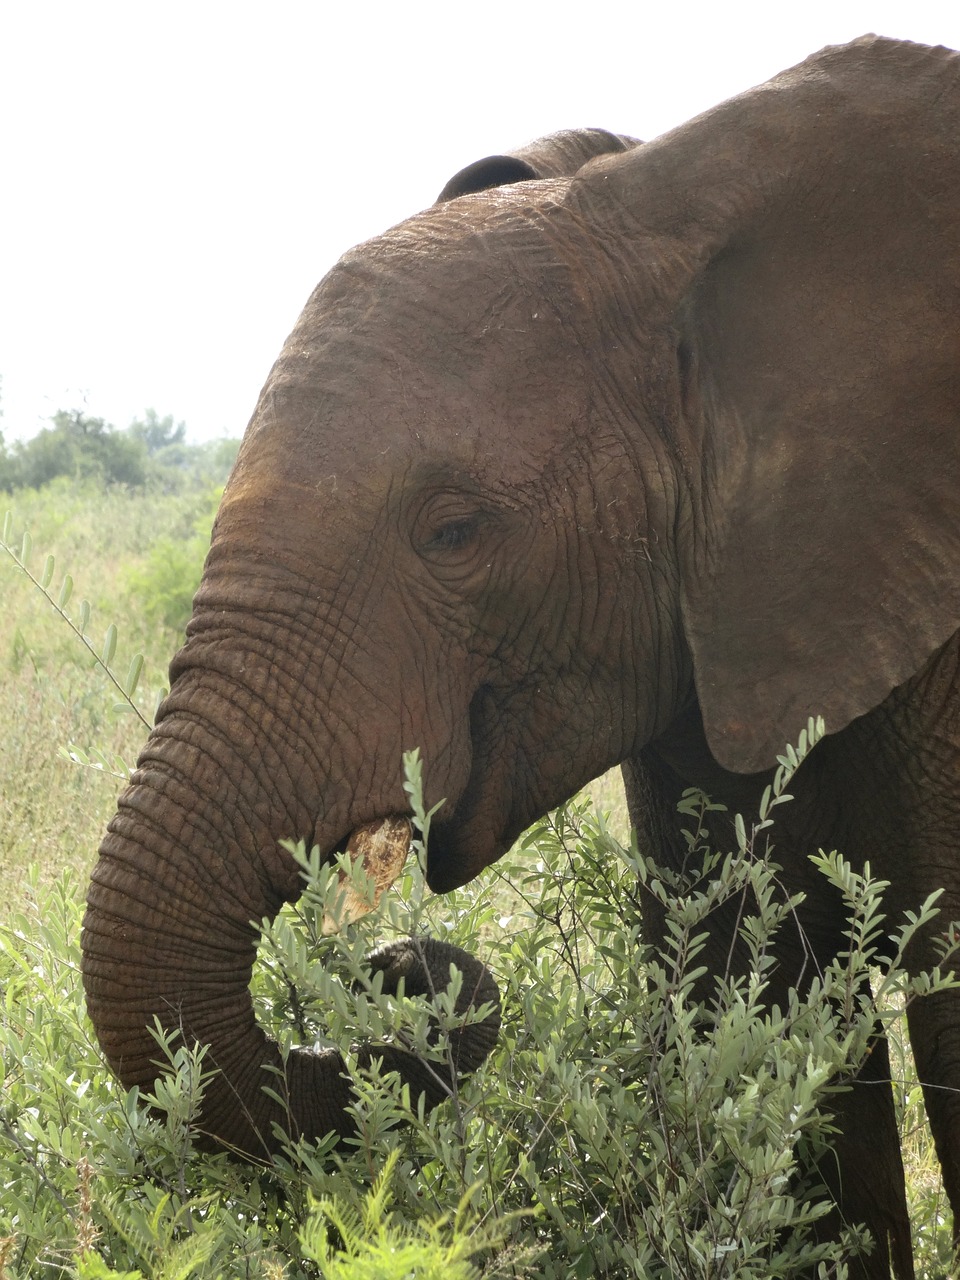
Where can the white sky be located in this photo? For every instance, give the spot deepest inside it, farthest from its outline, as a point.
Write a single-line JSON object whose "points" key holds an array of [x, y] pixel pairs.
{"points": [[178, 175]]}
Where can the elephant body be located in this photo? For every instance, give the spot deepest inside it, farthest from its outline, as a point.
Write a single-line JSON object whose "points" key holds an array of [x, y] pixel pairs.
{"points": [[640, 459]]}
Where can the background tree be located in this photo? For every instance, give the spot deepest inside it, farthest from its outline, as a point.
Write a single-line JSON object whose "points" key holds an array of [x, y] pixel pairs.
{"points": [[151, 452], [78, 446], [157, 433]]}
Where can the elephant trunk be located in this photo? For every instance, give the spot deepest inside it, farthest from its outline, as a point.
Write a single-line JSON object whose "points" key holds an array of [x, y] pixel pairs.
{"points": [[170, 935]]}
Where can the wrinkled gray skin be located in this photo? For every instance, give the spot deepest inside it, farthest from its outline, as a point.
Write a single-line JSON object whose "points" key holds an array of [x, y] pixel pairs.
{"points": [[642, 462]]}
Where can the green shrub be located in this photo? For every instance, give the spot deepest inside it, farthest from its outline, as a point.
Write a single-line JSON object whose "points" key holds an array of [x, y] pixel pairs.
{"points": [[620, 1129], [365, 1245], [653, 1136]]}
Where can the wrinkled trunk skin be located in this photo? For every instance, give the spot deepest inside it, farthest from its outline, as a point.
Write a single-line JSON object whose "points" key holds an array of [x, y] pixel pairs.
{"points": [[170, 934]]}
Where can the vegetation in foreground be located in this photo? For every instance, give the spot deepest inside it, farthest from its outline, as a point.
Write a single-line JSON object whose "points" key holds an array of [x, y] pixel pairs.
{"points": [[620, 1129]]}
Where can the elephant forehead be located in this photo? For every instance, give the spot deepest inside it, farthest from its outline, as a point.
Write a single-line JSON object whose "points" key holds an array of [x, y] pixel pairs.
{"points": [[392, 432], [448, 351]]}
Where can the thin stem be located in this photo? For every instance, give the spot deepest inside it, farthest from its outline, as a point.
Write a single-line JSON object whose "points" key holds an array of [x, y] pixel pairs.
{"points": [[104, 667]]}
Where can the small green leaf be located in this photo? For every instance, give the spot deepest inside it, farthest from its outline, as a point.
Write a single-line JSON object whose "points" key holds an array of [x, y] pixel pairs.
{"points": [[741, 831], [84, 616], [133, 675], [7, 526], [765, 802], [66, 591], [47, 576], [109, 645], [25, 547]]}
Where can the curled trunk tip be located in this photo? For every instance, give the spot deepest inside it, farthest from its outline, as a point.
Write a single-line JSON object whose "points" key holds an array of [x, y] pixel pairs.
{"points": [[153, 955]]}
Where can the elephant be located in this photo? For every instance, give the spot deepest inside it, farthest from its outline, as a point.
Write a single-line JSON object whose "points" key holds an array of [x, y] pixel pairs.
{"points": [[617, 454]]}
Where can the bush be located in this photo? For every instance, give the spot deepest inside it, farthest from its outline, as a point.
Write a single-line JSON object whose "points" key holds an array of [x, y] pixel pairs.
{"points": [[655, 1137], [621, 1129]]}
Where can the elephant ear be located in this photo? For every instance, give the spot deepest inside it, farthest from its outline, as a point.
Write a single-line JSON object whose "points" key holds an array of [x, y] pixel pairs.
{"points": [[558, 155], [802, 248]]}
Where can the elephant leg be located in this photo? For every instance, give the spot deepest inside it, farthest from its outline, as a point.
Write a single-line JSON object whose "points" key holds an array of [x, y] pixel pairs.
{"points": [[934, 1023], [864, 1171]]}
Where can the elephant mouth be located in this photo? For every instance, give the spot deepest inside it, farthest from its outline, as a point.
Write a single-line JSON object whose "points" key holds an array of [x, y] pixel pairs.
{"points": [[380, 848]]}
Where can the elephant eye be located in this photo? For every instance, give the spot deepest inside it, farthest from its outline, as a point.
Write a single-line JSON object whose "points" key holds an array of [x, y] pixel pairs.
{"points": [[449, 529], [454, 529], [455, 535]]}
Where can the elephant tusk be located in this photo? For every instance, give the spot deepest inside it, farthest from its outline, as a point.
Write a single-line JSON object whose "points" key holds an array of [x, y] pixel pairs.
{"points": [[381, 847]]}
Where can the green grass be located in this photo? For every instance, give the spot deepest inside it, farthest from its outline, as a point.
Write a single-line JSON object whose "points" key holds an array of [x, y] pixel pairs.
{"points": [[53, 695]]}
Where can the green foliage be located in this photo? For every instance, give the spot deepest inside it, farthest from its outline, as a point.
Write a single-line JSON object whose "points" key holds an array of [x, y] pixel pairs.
{"points": [[655, 1134], [162, 584], [92, 1184], [621, 1129], [175, 466], [366, 1245], [158, 434], [77, 446]]}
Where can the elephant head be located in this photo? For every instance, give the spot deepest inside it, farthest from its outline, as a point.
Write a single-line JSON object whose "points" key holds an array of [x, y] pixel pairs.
{"points": [[192, 959], [536, 472]]}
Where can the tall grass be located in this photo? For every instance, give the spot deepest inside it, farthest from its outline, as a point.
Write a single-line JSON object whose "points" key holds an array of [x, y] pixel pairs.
{"points": [[53, 696]]}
